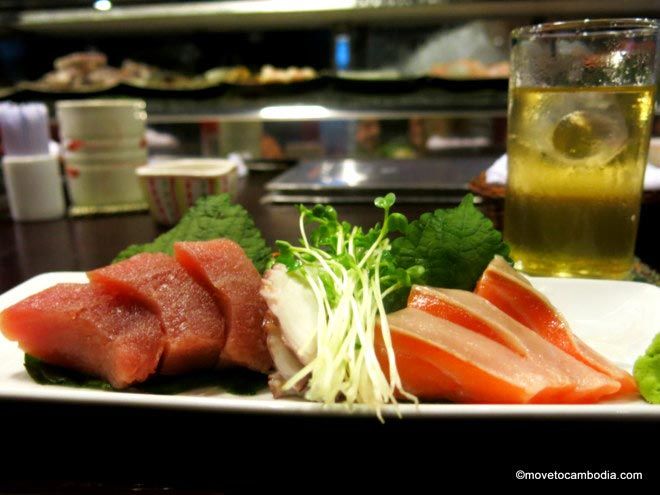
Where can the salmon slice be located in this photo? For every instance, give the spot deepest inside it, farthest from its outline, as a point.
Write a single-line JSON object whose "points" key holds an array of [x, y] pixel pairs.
{"points": [[223, 268], [438, 303], [437, 359], [193, 326], [83, 327], [511, 292], [583, 384]]}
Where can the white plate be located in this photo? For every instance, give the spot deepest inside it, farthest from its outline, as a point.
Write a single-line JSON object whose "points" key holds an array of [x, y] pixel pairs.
{"points": [[618, 319]]}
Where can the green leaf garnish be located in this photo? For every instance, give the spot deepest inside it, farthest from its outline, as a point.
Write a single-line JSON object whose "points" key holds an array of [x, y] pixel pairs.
{"points": [[454, 246], [211, 217], [237, 381]]}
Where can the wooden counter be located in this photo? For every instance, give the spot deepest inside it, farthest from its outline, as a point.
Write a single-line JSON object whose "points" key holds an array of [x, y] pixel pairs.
{"points": [[28, 249]]}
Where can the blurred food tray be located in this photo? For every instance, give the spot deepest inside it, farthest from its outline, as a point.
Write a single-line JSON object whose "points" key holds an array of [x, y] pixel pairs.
{"points": [[442, 179]]}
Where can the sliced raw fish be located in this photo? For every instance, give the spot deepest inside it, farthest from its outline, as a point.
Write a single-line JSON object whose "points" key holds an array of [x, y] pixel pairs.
{"points": [[192, 323], [437, 359], [511, 292], [584, 384], [285, 361], [223, 268], [294, 305], [438, 303], [83, 327]]}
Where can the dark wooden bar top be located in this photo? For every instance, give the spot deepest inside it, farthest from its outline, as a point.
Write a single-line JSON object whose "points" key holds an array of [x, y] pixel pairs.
{"points": [[28, 249], [68, 448]]}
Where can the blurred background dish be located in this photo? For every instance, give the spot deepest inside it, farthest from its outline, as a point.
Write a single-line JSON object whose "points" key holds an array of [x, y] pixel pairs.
{"points": [[281, 84], [148, 76], [79, 71], [171, 187], [471, 69], [274, 75]]}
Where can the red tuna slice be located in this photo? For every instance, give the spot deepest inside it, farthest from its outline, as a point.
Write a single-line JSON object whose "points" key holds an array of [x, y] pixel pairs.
{"points": [[228, 274], [512, 293], [583, 384], [84, 328], [192, 323], [437, 359]]}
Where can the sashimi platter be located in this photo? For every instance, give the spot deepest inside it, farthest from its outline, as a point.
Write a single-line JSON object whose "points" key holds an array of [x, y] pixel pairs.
{"points": [[419, 317]]}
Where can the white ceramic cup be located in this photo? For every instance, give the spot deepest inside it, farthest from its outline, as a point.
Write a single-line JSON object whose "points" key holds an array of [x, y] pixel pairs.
{"points": [[103, 185], [103, 145], [135, 156], [101, 118]]}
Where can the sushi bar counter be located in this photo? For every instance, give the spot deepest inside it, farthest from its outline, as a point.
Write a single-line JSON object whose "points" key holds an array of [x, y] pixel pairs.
{"points": [[48, 445], [29, 249]]}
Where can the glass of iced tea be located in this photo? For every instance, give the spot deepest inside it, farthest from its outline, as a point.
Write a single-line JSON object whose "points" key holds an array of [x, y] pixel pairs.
{"points": [[581, 106]]}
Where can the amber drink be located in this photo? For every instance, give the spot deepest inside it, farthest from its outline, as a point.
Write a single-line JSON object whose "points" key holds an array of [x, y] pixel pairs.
{"points": [[577, 155]]}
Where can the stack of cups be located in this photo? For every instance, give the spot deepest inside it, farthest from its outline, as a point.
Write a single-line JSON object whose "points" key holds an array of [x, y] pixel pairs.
{"points": [[103, 142]]}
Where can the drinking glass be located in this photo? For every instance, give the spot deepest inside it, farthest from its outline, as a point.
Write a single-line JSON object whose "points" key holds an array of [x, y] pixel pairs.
{"points": [[581, 106]]}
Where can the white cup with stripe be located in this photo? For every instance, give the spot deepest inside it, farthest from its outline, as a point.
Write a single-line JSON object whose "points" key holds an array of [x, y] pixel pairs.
{"points": [[172, 187]]}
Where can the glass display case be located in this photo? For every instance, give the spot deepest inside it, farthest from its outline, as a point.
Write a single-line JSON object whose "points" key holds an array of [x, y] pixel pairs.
{"points": [[281, 81]]}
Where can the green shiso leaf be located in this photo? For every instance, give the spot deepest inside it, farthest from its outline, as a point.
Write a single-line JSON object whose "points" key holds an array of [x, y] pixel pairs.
{"points": [[237, 381], [47, 374], [454, 246], [211, 217]]}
